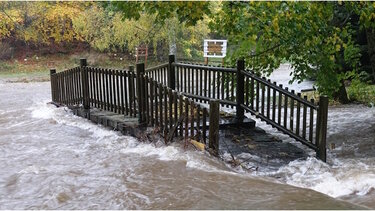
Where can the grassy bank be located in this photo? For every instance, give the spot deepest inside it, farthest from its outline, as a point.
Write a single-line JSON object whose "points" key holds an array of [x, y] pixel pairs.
{"points": [[39, 66]]}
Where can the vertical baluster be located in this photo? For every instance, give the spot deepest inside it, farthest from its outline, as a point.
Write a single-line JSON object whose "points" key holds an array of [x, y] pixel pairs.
{"points": [[268, 99], [198, 123], [186, 118], [252, 90], [205, 82], [274, 103], [246, 91], [279, 106], [161, 106], [181, 103], [185, 80], [96, 82], [188, 81], [232, 88], [204, 125], [209, 83], [291, 112], [122, 76], [213, 84], [201, 83], [192, 108], [298, 114], [286, 109], [165, 91], [151, 102], [304, 118], [263, 97], [192, 80], [147, 98], [156, 103], [311, 125], [257, 97], [227, 79], [175, 105], [170, 108], [222, 79]]}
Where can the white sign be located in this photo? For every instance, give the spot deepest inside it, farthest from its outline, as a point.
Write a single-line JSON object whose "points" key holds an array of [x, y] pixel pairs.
{"points": [[215, 48]]}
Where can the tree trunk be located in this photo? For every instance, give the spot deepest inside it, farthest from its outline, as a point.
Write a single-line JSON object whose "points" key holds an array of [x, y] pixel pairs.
{"points": [[370, 34], [341, 95]]}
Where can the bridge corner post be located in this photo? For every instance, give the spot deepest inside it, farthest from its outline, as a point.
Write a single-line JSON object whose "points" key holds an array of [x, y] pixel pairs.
{"points": [[322, 128], [85, 84], [240, 91], [140, 70], [214, 117], [171, 72], [53, 84]]}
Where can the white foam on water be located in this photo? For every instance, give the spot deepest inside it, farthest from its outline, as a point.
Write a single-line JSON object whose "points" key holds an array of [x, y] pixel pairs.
{"points": [[339, 179]]}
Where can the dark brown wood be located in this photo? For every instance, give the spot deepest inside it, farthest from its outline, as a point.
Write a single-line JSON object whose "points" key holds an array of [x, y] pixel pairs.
{"points": [[204, 125], [85, 84], [263, 87], [181, 110], [171, 72], [268, 100], [304, 119], [166, 120], [279, 106], [311, 125], [146, 99], [192, 109], [156, 103], [186, 102], [322, 128], [273, 103], [298, 116], [170, 108], [152, 98], [160, 86], [291, 112], [175, 107], [214, 126], [240, 91]]}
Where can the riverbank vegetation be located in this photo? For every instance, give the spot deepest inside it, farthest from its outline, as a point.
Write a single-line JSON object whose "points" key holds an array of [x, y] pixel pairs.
{"points": [[330, 42]]}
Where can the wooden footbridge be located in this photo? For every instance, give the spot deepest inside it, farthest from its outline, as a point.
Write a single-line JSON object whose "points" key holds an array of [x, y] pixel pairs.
{"points": [[184, 100]]}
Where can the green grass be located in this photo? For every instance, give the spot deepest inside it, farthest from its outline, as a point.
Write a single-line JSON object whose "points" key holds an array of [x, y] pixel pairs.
{"points": [[38, 67]]}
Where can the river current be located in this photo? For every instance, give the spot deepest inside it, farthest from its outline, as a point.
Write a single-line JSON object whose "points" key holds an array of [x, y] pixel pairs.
{"points": [[51, 159]]}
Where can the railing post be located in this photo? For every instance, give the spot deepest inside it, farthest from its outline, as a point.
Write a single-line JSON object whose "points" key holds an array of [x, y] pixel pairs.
{"points": [[140, 69], [240, 87], [171, 72], [214, 118], [53, 84], [85, 84], [322, 128]]}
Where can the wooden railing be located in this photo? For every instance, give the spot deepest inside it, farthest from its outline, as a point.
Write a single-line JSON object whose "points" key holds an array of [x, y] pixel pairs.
{"points": [[136, 95], [156, 96], [245, 91]]}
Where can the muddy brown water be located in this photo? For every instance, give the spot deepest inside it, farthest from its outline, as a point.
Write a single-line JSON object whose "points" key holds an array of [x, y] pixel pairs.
{"points": [[50, 159]]}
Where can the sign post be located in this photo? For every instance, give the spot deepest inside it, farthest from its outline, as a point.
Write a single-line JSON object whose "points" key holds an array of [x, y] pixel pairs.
{"points": [[214, 49], [141, 51]]}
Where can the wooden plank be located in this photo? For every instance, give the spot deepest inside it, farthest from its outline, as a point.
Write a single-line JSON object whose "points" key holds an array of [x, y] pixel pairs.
{"points": [[311, 125], [298, 115], [291, 124], [286, 110], [304, 119]]}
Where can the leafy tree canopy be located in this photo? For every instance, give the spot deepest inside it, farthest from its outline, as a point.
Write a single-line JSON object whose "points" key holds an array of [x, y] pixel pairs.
{"points": [[189, 12], [303, 33]]}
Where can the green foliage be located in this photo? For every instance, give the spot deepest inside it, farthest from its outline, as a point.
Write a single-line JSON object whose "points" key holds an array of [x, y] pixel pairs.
{"points": [[362, 92], [189, 12], [303, 33]]}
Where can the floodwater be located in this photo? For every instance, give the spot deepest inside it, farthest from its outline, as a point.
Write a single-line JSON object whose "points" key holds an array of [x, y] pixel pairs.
{"points": [[50, 159]]}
